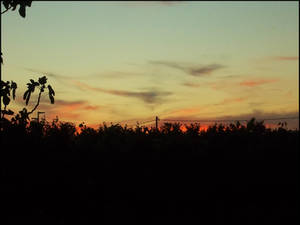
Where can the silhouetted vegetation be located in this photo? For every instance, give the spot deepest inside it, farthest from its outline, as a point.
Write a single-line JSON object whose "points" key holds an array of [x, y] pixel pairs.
{"points": [[13, 4], [52, 173], [9, 88]]}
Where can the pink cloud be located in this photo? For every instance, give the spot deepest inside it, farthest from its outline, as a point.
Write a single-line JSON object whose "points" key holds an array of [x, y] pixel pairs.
{"points": [[90, 107], [66, 110], [257, 82]]}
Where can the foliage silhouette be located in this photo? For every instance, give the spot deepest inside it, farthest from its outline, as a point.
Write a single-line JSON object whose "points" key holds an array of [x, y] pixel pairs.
{"points": [[227, 174], [6, 88], [41, 84], [12, 4]]}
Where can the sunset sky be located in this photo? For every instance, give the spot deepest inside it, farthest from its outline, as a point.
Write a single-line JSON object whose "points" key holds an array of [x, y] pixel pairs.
{"points": [[116, 61]]}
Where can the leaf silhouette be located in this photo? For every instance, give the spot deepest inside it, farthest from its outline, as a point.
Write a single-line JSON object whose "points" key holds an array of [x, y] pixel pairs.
{"points": [[14, 87], [7, 112], [27, 3], [51, 91], [28, 97], [22, 11], [14, 93], [25, 94], [10, 112], [6, 99], [51, 99], [6, 4], [43, 80]]}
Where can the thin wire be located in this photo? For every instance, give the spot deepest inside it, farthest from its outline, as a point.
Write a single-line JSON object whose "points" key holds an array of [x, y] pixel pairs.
{"points": [[146, 122], [283, 118], [201, 120], [134, 120], [228, 120]]}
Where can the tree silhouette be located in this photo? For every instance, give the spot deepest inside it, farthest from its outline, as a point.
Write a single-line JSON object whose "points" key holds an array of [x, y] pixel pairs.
{"points": [[41, 84], [8, 88]]}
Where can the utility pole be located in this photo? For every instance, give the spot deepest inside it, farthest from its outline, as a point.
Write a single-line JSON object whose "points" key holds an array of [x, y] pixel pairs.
{"points": [[38, 116], [156, 122], [56, 119]]}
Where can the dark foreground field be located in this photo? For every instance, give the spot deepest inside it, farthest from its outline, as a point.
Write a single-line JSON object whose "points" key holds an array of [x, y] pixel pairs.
{"points": [[233, 175]]}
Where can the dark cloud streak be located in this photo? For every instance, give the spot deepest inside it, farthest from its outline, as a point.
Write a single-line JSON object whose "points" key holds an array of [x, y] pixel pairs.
{"points": [[149, 97], [196, 71], [50, 74]]}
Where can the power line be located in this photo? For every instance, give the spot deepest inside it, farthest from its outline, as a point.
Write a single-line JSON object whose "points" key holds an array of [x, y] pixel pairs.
{"points": [[172, 120], [134, 120], [208, 121], [146, 122], [123, 121], [228, 120]]}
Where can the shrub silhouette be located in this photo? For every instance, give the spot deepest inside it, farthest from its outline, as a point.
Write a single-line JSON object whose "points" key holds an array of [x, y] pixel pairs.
{"points": [[228, 174]]}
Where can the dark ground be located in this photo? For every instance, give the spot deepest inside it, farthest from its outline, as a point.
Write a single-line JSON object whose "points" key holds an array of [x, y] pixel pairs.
{"points": [[116, 176]]}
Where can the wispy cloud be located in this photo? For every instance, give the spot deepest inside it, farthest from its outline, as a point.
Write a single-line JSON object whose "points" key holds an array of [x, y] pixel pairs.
{"points": [[190, 84], [70, 110], [222, 82], [69, 106], [49, 74], [76, 105], [59, 77], [257, 82], [200, 109], [197, 71], [203, 70], [106, 75], [230, 101], [150, 97], [186, 111]]}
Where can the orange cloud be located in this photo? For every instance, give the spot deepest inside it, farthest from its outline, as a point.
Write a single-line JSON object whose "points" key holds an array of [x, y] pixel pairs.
{"points": [[253, 83], [67, 110], [71, 107], [90, 107]]}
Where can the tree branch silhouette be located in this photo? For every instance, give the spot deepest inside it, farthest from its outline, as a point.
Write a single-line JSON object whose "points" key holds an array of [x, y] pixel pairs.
{"points": [[41, 84], [6, 10], [37, 104]]}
